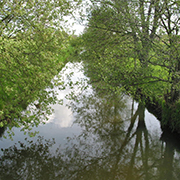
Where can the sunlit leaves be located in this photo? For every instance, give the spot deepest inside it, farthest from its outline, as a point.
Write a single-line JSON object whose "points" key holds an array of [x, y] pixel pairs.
{"points": [[33, 50], [125, 44]]}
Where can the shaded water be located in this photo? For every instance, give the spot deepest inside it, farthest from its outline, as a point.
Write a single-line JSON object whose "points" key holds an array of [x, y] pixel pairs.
{"points": [[92, 136]]}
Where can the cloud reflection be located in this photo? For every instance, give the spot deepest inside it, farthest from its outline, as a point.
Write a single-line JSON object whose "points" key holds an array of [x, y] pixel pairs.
{"points": [[62, 116], [73, 79]]}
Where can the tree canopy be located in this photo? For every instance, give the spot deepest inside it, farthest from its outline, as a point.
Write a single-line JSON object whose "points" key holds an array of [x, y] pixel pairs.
{"points": [[32, 47], [134, 45]]}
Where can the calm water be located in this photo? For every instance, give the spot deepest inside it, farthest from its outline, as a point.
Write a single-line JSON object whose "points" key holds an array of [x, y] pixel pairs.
{"points": [[92, 136]]}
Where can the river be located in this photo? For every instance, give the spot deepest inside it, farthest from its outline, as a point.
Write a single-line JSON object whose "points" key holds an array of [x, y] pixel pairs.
{"points": [[94, 136]]}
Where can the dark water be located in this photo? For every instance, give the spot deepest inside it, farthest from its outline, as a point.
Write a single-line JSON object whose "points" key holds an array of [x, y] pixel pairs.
{"points": [[92, 136]]}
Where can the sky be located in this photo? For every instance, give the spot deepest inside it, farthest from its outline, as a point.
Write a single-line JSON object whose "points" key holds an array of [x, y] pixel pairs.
{"points": [[74, 23], [77, 28]]}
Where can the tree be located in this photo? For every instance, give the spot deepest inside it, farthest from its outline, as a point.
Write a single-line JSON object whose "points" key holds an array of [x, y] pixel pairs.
{"points": [[32, 44], [134, 44]]}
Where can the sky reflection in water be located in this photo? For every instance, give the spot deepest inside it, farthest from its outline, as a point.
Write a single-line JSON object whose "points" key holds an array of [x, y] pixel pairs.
{"points": [[95, 138]]}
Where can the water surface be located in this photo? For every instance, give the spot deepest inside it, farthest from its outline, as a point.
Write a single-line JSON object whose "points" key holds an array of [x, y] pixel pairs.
{"points": [[92, 136]]}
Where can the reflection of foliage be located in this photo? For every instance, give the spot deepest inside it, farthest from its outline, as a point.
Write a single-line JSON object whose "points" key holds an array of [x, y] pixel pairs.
{"points": [[108, 114], [115, 143], [131, 154], [31, 161]]}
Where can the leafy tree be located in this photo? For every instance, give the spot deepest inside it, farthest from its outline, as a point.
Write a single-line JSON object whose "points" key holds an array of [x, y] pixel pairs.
{"points": [[135, 45], [32, 47]]}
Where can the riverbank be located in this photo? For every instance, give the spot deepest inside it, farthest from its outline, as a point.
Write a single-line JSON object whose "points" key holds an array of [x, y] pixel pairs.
{"points": [[168, 114]]}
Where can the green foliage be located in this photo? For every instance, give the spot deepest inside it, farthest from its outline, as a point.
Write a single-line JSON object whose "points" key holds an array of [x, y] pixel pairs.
{"points": [[75, 48], [171, 116], [34, 48], [129, 45]]}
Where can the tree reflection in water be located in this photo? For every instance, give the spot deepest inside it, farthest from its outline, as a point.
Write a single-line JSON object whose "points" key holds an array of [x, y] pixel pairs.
{"points": [[114, 144]]}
